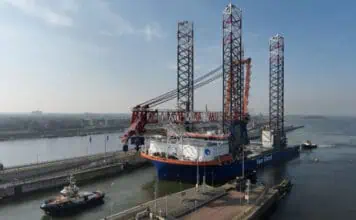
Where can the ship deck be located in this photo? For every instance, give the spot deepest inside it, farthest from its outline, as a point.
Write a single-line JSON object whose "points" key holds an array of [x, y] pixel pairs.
{"points": [[251, 152], [191, 141]]}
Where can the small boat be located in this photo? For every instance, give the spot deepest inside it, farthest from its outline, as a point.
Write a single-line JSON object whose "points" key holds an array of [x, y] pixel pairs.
{"points": [[283, 188], [308, 145], [71, 200]]}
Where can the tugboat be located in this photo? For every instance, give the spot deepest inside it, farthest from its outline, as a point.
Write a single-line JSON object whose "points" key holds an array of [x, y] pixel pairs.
{"points": [[71, 200], [308, 145]]}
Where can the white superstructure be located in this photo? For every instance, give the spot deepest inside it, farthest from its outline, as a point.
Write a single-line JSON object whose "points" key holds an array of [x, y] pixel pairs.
{"points": [[189, 149], [267, 139]]}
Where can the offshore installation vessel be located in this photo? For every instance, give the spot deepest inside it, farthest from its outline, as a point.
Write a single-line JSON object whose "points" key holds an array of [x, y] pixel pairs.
{"points": [[186, 145]]}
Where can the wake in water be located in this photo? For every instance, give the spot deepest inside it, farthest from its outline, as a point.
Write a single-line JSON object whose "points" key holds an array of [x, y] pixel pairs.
{"points": [[326, 145], [350, 144]]}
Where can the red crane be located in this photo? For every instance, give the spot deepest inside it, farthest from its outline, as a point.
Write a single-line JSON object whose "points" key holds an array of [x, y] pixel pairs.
{"points": [[144, 113], [230, 88], [247, 62]]}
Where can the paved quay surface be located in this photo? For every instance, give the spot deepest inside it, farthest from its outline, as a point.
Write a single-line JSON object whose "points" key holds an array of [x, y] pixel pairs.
{"points": [[172, 205], [207, 203], [230, 206]]}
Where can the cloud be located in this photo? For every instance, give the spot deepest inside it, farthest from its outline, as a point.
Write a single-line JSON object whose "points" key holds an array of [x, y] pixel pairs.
{"points": [[116, 25], [40, 10], [212, 48], [8, 32], [94, 17], [172, 66], [151, 31], [111, 23], [106, 33], [252, 34]]}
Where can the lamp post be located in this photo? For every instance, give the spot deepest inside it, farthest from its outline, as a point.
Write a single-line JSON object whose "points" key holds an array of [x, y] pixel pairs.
{"points": [[166, 206], [156, 194], [243, 162], [197, 185], [112, 207], [37, 155], [106, 140], [88, 145], [243, 171], [113, 203]]}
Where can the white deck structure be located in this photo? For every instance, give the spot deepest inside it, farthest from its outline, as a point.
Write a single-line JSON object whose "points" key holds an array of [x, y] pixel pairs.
{"points": [[187, 149]]}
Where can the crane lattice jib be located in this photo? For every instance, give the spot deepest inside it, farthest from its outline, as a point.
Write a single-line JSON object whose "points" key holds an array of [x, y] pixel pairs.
{"points": [[140, 118], [172, 94], [143, 114]]}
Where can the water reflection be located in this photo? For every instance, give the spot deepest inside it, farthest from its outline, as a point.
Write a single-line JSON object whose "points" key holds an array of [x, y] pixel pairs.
{"points": [[273, 175], [164, 187]]}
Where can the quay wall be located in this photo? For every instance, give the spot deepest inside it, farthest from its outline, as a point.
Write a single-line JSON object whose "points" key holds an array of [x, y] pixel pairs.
{"points": [[22, 187], [35, 170]]}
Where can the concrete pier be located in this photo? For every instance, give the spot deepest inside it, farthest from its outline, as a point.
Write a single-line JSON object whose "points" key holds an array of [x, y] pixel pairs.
{"points": [[205, 203], [173, 205], [234, 206], [55, 174], [47, 167]]}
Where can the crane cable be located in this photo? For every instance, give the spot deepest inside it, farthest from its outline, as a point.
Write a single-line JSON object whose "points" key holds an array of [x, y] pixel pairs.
{"points": [[173, 93], [196, 86]]}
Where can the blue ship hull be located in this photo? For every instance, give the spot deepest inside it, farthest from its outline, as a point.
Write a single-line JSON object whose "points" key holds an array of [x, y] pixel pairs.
{"points": [[222, 173]]}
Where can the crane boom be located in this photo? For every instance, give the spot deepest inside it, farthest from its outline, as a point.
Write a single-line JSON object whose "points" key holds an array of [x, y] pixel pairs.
{"points": [[173, 93], [231, 89], [247, 86], [143, 113]]}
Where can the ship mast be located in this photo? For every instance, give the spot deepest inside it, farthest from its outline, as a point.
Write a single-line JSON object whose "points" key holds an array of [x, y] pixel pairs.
{"points": [[197, 167]]}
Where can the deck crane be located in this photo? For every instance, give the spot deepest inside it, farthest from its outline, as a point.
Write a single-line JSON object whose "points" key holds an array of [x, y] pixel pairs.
{"points": [[235, 120], [247, 62], [143, 113], [246, 91]]}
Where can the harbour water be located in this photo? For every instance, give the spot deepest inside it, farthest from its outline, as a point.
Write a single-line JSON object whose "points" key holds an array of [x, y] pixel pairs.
{"points": [[36, 150], [324, 178]]}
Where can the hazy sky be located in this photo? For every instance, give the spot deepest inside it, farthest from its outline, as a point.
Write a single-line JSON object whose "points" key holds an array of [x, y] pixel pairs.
{"points": [[107, 56]]}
